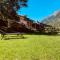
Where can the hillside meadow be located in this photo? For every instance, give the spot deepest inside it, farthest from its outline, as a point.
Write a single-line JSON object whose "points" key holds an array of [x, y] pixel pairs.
{"points": [[32, 47]]}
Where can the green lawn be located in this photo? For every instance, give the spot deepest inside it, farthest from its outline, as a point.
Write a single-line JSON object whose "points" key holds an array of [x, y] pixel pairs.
{"points": [[33, 47]]}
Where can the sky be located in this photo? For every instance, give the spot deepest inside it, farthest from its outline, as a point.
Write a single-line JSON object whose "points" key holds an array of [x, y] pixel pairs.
{"points": [[39, 9]]}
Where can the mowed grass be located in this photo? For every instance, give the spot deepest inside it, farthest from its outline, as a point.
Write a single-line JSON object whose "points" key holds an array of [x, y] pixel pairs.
{"points": [[33, 47]]}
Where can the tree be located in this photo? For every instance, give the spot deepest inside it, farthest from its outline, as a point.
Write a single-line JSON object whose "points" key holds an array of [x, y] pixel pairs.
{"points": [[8, 9]]}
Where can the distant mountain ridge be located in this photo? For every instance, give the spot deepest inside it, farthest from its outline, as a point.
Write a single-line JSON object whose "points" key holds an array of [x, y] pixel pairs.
{"points": [[53, 20]]}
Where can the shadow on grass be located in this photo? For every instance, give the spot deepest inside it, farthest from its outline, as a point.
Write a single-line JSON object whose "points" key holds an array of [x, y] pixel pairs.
{"points": [[52, 34], [11, 38], [47, 34]]}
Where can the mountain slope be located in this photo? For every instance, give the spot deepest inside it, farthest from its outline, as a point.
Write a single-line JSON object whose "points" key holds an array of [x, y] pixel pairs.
{"points": [[53, 20]]}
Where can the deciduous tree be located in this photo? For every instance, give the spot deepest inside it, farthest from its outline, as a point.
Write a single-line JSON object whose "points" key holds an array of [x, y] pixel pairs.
{"points": [[8, 9]]}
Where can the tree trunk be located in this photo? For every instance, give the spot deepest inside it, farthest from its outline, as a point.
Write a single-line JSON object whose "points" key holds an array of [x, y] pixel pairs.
{"points": [[9, 23]]}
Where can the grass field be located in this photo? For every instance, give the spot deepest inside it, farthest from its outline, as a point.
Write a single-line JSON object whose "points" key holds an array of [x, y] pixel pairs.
{"points": [[33, 47]]}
